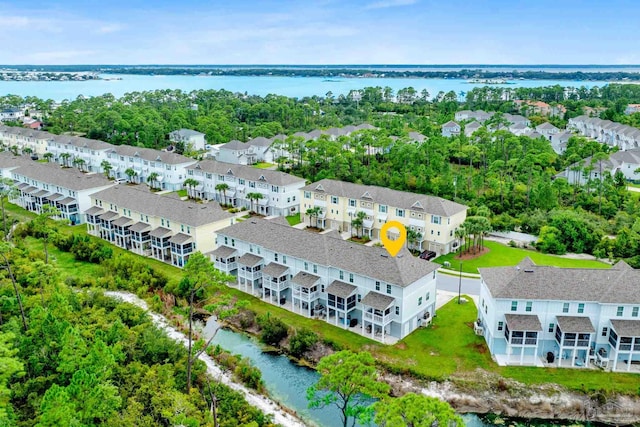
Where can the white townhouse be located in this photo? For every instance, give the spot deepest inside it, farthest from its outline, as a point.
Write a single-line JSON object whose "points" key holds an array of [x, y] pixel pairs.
{"points": [[191, 139], [40, 184], [451, 128], [547, 130], [73, 151], [23, 138], [11, 114], [435, 218], [624, 137], [160, 226], [280, 191], [566, 317], [322, 276], [626, 162], [160, 169], [237, 152]]}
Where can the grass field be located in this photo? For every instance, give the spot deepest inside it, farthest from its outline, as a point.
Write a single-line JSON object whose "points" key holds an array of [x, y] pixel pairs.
{"points": [[500, 255], [447, 348], [263, 165], [294, 219]]}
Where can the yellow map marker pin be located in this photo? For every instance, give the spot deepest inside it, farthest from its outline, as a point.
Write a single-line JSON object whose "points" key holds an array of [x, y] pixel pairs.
{"points": [[393, 246]]}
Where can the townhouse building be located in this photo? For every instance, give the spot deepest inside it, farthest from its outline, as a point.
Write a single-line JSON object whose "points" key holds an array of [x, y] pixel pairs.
{"points": [[625, 162], [40, 184], [279, 191], [567, 317], [434, 218], [451, 128], [23, 139], [320, 275], [163, 227], [191, 139], [624, 137]]}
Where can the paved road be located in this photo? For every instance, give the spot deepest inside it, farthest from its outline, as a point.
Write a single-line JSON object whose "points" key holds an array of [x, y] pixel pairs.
{"points": [[450, 284]]}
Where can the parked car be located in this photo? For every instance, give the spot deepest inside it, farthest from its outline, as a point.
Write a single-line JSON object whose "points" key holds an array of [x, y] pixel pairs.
{"points": [[428, 255]]}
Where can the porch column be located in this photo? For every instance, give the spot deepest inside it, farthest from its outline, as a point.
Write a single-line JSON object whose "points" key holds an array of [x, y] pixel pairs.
{"points": [[560, 354], [383, 328], [535, 354], [573, 357], [522, 347]]}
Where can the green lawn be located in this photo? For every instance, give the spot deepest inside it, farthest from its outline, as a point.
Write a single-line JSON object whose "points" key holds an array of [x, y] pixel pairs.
{"points": [[500, 255], [294, 219], [263, 165], [182, 193]]}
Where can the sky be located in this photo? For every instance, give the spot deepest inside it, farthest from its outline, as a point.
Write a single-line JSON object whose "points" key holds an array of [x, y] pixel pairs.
{"points": [[320, 32]]}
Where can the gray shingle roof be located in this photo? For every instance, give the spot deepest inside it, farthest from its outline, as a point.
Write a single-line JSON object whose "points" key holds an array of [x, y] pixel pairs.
{"points": [[94, 210], [340, 289], [140, 227], [9, 161], [249, 260], [185, 133], [575, 324], [108, 216], [123, 221], [69, 178], [247, 172], [373, 262], [180, 238], [626, 328], [141, 199], [160, 232], [274, 270], [304, 279], [234, 145], [169, 158], [531, 282], [546, 126], [67, 201], [386, 196], [377, 300], [451, 124], [223, 252], [523, 322]]}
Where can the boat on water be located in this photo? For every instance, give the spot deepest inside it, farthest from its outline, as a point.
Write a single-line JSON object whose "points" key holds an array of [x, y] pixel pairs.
{"points": [[489, 81]]}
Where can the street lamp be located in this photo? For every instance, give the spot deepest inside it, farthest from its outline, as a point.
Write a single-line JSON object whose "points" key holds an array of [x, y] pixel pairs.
{"points": [[460, 282]]}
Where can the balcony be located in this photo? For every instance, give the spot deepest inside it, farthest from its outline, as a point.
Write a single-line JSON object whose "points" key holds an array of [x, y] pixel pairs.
{"points": [[378, 318], [305, 295], [226, 266], [274, 284], [248, 274]]}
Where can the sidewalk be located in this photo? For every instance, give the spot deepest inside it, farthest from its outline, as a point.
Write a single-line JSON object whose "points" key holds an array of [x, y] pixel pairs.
{"points": [[443, 297], [458, 274]]}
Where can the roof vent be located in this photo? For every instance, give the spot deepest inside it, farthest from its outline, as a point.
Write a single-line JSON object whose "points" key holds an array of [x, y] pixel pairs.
{"points": [[253, 222], [518, 267], [384, 255], [528, 271]]}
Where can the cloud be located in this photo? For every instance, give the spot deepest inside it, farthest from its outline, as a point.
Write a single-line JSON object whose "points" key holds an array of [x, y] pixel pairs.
{"points": [[384, 4], [110, 28]]}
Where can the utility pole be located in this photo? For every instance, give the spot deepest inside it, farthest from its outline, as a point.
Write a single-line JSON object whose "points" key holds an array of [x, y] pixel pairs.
{"points": [[460, 283]]}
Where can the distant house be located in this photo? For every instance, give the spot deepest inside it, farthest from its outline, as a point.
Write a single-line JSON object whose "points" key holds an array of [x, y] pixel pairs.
{"points": [[470, 128], [559, 141], [417, 137], [519, 129], [451, 128], [547, 129], [632, 108], [11, 115], [626, 162], [237, 152], [191, 138]]}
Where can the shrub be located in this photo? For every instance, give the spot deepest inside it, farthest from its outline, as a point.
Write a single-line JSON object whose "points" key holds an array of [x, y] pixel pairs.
{"points": [[249, 374], [302, 341], [273, 329]]}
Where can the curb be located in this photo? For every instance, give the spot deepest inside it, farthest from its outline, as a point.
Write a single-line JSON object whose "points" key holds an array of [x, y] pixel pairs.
{"points": [[458, 274]]}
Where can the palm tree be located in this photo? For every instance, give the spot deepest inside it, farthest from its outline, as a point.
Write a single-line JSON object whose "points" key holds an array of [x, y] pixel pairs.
{"points": [[79, 163], [131, 174], [222, 187], [65, 159], [311, 212], [358, 223], [106, 168], [460, 234], [190, 183], [47, 156], [152, 179], [8, 190], [27, 150], [252, 197], [14, 149], [413, 237]]}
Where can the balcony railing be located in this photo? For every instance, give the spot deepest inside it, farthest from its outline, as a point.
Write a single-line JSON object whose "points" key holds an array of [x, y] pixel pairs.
{"points": [[306, 296], [226, 266], [251, 275], [377, 318], [275, 285]]}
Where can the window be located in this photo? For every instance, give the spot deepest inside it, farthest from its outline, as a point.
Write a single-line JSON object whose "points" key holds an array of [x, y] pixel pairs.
{"points": [[341, 275], [162, 221], [382, 208], [306, 266], [284, 259], [388, 289], [307, 194], [419, 300], [377, 285], [581, 307], [240, 181], [514, 305], [620, 311], [226, 241], [275, 257], [634, 312], [397, 310], [435, 219], [315, 268], [529, 306], [428, 296], [400, 213], [565, 307], [274, 188], [334, 199], [500, 326], [168, 223], [350, 277], [604, 331], [352, 203], [551, 327], [252, 184]]}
